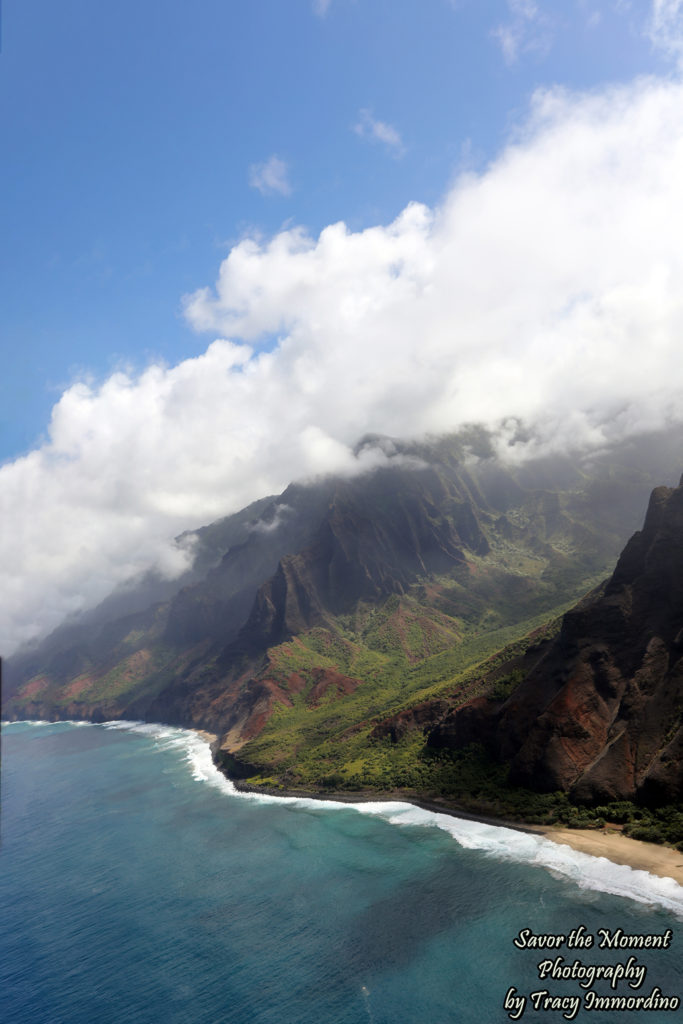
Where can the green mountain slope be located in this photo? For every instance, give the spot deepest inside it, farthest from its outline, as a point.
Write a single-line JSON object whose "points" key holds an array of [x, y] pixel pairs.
{"points": [[474, 552], [331, 635]]}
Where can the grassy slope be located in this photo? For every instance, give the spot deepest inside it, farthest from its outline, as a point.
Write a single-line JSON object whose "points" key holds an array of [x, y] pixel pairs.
{"points": [[404, 652], [326, 745]]}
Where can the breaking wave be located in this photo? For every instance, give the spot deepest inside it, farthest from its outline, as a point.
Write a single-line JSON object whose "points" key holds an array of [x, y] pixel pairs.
{"points": [[495, 841]]}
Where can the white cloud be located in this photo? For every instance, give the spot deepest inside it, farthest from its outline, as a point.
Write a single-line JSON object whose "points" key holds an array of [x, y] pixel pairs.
{"points": [[665, 27], [529, 30], [270, 177], [548, 288], [321, 7], [282, 512], [368, 127]]}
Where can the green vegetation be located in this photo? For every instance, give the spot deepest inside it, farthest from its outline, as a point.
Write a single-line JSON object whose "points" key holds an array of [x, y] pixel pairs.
{"points": [[399, 654], [403, 653], [504, 686], [468, 779], [663, 825], [350, 698]]}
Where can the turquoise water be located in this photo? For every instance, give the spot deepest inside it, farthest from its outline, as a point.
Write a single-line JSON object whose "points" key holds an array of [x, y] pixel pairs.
{"points": [[135, 885]]}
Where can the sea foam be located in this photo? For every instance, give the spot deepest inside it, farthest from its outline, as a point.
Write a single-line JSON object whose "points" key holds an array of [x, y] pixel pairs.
{"points": [[496, 841]]}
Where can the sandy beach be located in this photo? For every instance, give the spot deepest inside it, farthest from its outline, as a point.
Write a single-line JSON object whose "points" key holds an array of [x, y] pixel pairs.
{"points": [[612, 844], [210, 737]]}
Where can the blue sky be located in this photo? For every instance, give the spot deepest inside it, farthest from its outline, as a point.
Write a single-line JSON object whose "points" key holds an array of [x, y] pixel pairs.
{"points": [[239, 235], [130, 129]]}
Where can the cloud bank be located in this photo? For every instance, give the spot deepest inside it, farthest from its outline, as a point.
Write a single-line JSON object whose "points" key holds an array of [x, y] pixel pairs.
{"points": [[548, 288]]}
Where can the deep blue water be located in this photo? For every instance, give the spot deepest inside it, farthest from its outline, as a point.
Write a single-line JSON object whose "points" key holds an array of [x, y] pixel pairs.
{"points": [[134, 886]]}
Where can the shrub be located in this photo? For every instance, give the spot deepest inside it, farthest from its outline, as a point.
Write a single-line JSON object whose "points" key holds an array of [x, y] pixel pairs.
{"points": [[504, 686], [332, 781]]}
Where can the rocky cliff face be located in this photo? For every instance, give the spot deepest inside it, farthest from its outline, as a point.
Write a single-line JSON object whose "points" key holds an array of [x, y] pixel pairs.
{"points": [[378, 535], [375, 536], [600, 715], [342, 585]]}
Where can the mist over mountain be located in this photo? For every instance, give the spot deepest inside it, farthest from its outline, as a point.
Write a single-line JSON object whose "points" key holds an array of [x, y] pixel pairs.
{"points": [[358, 597], [540, 297]]}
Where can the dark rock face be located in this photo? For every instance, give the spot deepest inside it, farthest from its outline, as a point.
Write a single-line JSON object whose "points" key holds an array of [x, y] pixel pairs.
{"points": [[601, 714], [420, 717], [199, 654], [379, 533]]}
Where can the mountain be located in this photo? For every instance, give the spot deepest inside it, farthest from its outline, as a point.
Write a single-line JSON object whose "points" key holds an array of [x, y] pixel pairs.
{"points": [[322, 632], [600, 713]]}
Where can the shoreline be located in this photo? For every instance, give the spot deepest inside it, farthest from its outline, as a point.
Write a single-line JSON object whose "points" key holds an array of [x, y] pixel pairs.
{"points": [[609, 843], [664, 861]]}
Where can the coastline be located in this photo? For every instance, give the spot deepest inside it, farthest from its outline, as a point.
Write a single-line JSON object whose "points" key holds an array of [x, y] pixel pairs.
{"points": [[609, 843], [664, 861]]}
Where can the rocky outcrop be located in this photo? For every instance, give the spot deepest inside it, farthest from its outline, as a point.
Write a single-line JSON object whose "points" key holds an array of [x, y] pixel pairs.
{"points": [[396, 565], [327, 683], [601, 713], [422, 717], [379, 534]]}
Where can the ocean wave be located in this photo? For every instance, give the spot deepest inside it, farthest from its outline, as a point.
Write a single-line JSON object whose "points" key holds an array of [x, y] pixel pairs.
{"points": [[498, 842], [585, 870], [495, 841], [195, 747], [40, 721]]}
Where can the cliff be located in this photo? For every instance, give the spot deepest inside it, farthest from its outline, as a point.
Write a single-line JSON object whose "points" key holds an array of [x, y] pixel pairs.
{"points": [[600, 714], [322, 633]]}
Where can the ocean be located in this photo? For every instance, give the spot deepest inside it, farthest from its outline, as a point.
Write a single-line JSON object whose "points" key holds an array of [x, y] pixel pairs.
{"points": [[137, 886]]}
